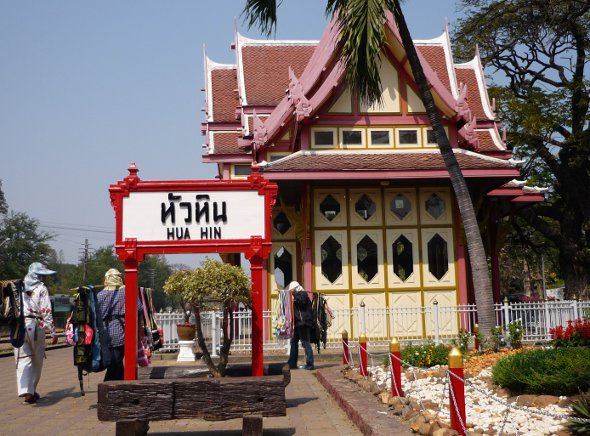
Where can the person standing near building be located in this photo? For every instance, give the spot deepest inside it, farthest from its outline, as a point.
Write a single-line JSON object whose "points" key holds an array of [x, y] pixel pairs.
{"points": [[111, 308], [38, 318], [303, 323]]}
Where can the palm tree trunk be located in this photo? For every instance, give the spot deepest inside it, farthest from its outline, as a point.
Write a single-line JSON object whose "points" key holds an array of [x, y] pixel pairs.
{"points": [[477, 257]]}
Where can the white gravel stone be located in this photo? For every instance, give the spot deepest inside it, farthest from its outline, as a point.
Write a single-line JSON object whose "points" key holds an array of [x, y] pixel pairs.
{"points": [[483, 407]]}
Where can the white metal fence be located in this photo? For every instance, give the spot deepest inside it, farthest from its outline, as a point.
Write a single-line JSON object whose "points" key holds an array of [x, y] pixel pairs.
{"points": [[380, 325]]}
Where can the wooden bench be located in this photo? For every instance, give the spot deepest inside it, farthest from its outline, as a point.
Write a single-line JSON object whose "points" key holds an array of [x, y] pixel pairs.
{"points": [[189, 394]]}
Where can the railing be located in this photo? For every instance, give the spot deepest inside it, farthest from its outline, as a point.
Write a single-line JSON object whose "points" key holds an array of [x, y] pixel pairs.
{"points": [[407, 324]]}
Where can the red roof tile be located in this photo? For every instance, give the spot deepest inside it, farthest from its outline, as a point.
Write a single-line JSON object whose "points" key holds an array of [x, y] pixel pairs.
{"points": [[486, 142], [394, 161], [435, 56], [266, 68], [226, 143], [467, 76], [225, 97]]}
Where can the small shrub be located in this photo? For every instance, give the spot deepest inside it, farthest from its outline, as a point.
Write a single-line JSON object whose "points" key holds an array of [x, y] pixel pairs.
{"points": [[425, 355], [462, 341], [576, 334], [496, 340], [515, 330], [554, 371], [580, 409]]}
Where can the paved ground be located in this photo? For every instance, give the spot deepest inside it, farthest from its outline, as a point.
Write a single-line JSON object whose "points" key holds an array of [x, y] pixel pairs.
{"points": [[62, 411]]}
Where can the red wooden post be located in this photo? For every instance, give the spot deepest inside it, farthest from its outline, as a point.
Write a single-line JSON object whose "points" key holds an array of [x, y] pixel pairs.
{"points": [[130, 360], [396, 368], [476, 333], [257, 318], [457, 391], [345, 352], [363, 355]]}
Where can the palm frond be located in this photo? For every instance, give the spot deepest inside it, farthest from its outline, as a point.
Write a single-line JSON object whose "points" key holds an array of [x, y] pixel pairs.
{"points": [[362, 34], [262, 14]]}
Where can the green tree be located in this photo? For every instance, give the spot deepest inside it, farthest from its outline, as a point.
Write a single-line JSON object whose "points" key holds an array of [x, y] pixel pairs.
{"points": [[539, 51], [3, 203], [362, 37], [153, 273], [25, 243], [212, 286]]}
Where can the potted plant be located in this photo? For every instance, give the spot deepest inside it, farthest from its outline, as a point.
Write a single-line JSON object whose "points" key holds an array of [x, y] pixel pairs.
{"points": [[176, 285], [212, 286]]}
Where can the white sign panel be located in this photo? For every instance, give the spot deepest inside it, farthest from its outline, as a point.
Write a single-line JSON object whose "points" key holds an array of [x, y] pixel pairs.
{"points": [[193, 215]]}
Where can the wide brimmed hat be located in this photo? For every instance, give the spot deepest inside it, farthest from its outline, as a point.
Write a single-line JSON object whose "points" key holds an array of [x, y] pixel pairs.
{"points": [[294, 286], [112, 279], [40, 269]]}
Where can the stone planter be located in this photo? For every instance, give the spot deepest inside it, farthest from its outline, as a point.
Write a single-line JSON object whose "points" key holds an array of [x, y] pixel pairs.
{"points": [[186, 331]]}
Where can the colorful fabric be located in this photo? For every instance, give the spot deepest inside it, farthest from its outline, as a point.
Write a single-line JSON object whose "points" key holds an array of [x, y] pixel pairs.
{"points": [[283, 318]]}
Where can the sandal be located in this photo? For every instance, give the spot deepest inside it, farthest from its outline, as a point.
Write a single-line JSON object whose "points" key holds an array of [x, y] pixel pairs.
{"points": [[29, 399], [36, 396]]}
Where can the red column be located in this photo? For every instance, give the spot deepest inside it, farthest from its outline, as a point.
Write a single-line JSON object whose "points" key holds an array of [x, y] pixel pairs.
{"points": [[345, 352], [257, 317], [363, 355], [131, 319], [396, 368], [458, 391]]}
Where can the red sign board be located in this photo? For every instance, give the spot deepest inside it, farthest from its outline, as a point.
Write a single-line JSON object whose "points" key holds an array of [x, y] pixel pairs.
{"points": [[192, 216]]}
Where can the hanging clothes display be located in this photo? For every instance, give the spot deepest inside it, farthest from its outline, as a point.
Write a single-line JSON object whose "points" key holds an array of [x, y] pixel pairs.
{"points": [[86, 331], [283, 317], [322, 319], [153, 333], [11, 310]]}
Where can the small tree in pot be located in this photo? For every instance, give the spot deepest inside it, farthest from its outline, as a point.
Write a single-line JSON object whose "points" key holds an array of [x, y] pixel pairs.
{"points": [[174, 286], [212, 286]]}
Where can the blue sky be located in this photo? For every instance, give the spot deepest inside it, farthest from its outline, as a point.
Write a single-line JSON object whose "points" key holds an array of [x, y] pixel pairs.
{"points": [[86, 88]]}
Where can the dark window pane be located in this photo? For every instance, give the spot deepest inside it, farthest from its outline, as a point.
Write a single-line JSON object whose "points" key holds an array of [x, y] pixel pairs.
{"points": [[435, 206], [275, 157], [438, 259], [430, 137], [366, 251], [323, 138], [403, 261], [352, 137], [283, 267], [281, 223], [408, 137], [331, 259], [379, 137], [365, 207], [329, 207], [400, 206], [242, 170]]}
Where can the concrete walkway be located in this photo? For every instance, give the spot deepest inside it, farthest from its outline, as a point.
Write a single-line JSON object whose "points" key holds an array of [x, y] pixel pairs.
{"points": [[62, 411]]}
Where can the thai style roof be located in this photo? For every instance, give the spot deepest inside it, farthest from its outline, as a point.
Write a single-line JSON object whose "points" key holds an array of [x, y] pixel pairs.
{"points": [[283, 86], [304, 164]]}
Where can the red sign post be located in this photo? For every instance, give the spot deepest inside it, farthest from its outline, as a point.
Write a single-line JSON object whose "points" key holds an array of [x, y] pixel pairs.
{"points": [[192, 216]]}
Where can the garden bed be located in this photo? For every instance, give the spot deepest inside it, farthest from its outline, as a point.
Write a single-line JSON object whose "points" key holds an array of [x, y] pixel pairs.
{"points": [[426, 401]]}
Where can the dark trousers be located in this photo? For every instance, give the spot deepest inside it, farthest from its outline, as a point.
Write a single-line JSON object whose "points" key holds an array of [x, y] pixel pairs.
{"points": [[303, 334], [115, 370]]}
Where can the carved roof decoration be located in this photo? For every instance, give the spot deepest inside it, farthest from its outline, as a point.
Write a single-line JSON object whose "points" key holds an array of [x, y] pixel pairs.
{"points": [[279, 86]]}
